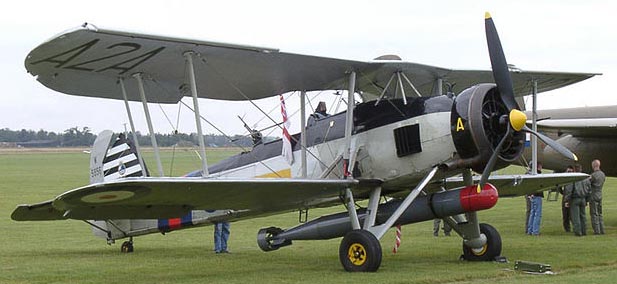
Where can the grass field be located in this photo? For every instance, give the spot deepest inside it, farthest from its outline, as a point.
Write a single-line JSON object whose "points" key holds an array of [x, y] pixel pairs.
{"points": [[67, 252]]}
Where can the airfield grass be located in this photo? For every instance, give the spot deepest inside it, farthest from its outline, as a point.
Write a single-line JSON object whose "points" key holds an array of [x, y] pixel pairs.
{"points": [[67, 252]]}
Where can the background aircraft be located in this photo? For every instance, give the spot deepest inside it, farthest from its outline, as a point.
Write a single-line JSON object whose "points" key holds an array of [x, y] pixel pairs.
{"points": [[397, 143], [590, 132]]}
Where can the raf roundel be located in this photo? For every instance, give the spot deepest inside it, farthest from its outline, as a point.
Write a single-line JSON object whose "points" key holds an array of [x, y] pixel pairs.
{"points": [[107, 196]]}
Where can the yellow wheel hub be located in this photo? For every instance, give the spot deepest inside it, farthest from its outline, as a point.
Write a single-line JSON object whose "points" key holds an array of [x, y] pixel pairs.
{"points": [[480, 251], [357, 254]]}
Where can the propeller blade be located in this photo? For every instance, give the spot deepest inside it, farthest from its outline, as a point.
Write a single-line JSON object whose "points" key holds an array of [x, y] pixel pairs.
{"points": [[553, 144], [501, 74], [491, 162]]}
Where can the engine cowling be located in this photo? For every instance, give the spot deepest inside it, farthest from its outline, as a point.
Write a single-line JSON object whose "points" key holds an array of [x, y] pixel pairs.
{"points": [[478, 122]]}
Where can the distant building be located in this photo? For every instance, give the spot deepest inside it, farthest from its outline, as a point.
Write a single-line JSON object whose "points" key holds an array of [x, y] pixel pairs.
{"points": [[8, 145]]}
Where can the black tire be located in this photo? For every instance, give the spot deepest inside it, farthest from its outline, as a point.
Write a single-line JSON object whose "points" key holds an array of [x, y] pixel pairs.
{"points": [[267, 241], [360, 251], [126, 247], [490, 250]]}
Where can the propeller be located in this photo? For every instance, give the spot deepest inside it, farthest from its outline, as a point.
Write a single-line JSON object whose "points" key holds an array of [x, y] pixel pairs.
{"points": [[501, 74], [516, 119]]}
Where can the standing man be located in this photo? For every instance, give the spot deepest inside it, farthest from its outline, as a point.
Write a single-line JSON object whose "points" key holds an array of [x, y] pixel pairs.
{"points": [[576, 196], [534, 209], [221, 235], [446, 227], [595, 203], [565, 211]]}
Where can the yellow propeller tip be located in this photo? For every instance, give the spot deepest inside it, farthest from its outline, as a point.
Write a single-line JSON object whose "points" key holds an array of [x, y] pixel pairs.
{"points": [[575, 157], [487, 15], [479, 189]]}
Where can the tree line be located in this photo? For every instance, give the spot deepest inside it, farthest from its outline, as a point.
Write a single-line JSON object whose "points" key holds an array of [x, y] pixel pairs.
{"points": [[76, 136]]}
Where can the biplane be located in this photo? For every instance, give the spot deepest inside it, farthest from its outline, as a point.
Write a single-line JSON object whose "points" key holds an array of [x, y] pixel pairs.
{"points": [[408, 140]]}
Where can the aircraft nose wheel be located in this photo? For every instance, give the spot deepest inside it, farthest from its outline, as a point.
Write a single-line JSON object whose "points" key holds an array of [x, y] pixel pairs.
{"points": [[360, 251], [489, 251]]}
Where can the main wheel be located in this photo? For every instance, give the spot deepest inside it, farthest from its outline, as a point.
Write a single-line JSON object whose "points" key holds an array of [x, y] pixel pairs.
{"points": [[490, 250], [127, 247], [360, 251]]}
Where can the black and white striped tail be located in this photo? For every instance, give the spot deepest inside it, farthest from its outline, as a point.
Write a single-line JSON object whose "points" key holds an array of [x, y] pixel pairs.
{"points": [[121, 160]]}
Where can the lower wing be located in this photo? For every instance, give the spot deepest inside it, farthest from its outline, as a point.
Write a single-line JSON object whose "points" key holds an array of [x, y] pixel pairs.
{"points": [[518, 185], [153, 198]]}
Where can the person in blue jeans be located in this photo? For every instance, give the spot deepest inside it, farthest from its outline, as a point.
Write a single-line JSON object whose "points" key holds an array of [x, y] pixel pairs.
{"points": [[535, 208], [221, 235], [535, 213]]}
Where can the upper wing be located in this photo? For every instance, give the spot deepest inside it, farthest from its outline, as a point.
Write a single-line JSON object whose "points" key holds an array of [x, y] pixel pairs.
{"points": [[521, 80], [153, 198], [518, 185], [88, 61]]}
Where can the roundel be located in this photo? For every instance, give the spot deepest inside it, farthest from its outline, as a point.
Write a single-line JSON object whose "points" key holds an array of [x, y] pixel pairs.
{"points": [[121, 169], [107, 196]]}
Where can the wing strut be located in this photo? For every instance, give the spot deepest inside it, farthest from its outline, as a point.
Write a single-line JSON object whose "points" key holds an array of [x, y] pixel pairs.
{"points": [[437, 89], [200, 136], [399, 76], [351, 208], [303, 171], [128, 112], [349, 123], [347, 168], [142, 94], [534, 127]]}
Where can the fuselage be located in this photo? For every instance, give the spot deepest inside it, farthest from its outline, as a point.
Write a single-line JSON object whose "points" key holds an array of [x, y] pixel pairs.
{"points": [[395, 142]]}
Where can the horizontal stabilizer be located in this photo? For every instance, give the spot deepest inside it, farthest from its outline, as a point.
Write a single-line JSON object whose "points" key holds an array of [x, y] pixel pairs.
{"points": [[43, 211]]}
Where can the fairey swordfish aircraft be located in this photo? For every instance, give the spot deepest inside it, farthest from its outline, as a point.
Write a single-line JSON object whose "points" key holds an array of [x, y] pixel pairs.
{"points": [[405, 141]]}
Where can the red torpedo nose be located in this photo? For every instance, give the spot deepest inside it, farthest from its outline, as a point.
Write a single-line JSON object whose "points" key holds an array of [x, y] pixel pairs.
{"points": [[471, 200]]}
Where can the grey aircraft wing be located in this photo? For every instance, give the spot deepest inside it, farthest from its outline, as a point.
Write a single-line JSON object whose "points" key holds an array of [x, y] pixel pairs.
{"points": [[153, 198], [518, 185], [88, 61], [594, 121]]}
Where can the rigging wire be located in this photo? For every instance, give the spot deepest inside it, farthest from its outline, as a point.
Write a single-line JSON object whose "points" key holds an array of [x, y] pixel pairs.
{"points": [[175, 131], [173, 152], [219, 130], [232, 141], [275, 107], [203, 61]]}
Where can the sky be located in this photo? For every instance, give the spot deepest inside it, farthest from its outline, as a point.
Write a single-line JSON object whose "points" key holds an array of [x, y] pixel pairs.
{"points": [[569, 36]]}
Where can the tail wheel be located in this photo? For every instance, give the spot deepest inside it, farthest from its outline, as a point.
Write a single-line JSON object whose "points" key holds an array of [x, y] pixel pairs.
{"points": [[360, 251], [490, 250], [127, 247]]}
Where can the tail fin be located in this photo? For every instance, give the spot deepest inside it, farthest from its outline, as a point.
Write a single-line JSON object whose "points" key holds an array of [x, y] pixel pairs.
{"points": [[113, 157]]}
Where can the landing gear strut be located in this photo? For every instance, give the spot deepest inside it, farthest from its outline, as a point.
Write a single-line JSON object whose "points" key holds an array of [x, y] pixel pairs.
{"points": [[360, 251], [489, 251]]}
